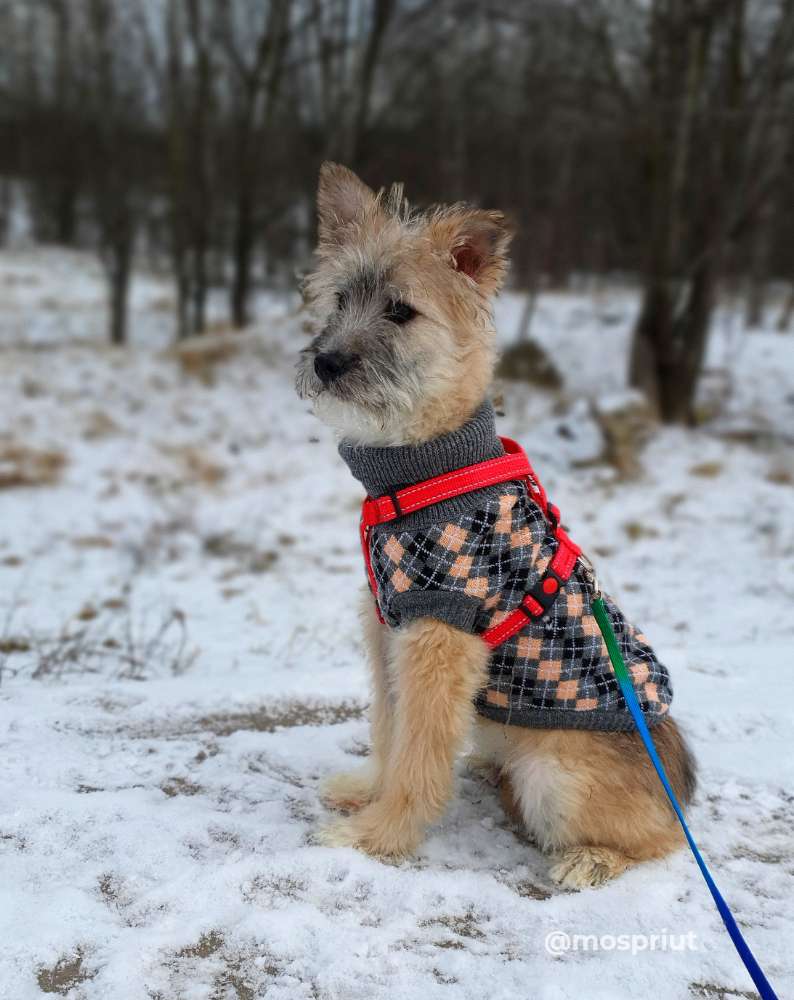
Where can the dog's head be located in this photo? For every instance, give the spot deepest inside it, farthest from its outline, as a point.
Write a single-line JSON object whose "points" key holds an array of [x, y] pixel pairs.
{"points": [[402, 302]]}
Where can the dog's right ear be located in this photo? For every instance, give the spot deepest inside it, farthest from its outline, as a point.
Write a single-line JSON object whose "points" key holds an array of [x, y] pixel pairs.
{"points": [[342, 198]]}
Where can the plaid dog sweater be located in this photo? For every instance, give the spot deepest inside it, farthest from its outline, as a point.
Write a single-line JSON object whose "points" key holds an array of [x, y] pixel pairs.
{"points": [[469, 560]]}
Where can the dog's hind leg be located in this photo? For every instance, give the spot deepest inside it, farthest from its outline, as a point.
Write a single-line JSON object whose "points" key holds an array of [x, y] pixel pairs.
{"points": [[593, 800], [437, 671], [351, 790]]}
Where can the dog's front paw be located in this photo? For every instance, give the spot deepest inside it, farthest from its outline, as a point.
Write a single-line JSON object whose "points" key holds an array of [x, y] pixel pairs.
{"points": [[372, 832], [585, 867], [349, 790]]}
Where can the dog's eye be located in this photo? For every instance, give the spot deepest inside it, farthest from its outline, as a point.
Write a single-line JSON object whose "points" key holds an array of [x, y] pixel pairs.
{"points": [[341, 300], [400, 312]]}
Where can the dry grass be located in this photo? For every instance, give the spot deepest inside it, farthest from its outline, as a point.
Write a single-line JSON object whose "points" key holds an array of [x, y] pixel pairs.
{"points": [[627, 429], [781, 475], [528, 362], [92, 542], [22, 466], [706, 470], [201, 468], [98, 425], [199, 357], [100, 638], [710, 991], [635, 530], [248, 558]]}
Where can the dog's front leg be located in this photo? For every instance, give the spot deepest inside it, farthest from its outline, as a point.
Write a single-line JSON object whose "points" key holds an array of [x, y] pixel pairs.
{"points": [[350, 790], [437, 671]]}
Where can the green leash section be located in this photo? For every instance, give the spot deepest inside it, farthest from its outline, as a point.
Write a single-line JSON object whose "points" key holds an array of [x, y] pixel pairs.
{"points": [[627, 688]]}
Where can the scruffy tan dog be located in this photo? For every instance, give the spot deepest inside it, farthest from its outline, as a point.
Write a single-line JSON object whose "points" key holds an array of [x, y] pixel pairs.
{"points": [[401, 369]]}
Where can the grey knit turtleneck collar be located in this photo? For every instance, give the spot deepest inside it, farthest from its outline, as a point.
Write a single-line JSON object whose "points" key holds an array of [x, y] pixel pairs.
{"points": [[382, 469]]}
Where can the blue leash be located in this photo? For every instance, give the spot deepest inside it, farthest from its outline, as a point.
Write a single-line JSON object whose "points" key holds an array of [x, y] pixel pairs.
{"points": [[627, 687]]}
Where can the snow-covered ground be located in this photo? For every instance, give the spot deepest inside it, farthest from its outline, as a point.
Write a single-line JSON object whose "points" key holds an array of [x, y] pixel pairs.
{"points": [[180, 666]]}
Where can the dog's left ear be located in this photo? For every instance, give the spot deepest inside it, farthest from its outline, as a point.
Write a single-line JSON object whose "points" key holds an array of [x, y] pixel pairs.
{"points": [[477, 242]]}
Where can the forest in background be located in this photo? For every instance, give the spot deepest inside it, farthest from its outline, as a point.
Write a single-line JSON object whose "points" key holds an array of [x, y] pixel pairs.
{"points": [[649, 138]]}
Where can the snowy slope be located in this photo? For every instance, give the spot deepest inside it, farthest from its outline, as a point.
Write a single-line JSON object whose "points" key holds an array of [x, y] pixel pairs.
{"points": [[179, 669]]}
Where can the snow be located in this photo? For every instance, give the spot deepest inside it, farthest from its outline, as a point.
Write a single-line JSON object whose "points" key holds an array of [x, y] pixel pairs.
{"points": [[180, 667]]}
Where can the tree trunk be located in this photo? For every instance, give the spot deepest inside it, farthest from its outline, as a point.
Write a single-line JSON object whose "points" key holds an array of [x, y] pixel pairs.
{"points": [[759, 265], [119, 275], [66, 214], [381, 16], [754, 306], [691, 331], [787, 312], [200, 287], [669, 345], [243, 252], [528, 311], [5, 208], [651, 330], [183, 328]]}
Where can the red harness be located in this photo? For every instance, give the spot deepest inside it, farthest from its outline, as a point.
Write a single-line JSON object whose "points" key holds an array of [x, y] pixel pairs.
{"points": [[513, 465]]}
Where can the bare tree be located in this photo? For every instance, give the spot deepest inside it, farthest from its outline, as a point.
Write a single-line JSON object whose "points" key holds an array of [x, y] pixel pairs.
{"points": [[645, 136], [254, 63], [710, 152], [112, 105]]}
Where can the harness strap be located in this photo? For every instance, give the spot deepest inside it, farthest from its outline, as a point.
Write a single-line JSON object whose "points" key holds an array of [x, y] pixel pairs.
{"points": [[513, 465], [542, 596]]}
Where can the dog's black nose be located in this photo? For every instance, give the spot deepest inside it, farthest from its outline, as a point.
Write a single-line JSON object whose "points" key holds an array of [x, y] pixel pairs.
{"points": [[331, 364]]}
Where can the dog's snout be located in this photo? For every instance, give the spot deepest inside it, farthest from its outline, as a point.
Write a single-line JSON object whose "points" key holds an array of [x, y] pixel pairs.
{"points": [[331, 364]]}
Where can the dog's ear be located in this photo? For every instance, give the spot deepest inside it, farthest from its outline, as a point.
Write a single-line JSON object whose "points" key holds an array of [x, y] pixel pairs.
{"points": [[476, 242], [342, 198]]}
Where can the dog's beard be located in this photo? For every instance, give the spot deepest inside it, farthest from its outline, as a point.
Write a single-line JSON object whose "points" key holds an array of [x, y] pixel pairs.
{"points": [[364, 406]]}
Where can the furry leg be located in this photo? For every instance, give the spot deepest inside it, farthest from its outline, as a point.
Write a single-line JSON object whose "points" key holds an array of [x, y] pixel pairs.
{"points": [[438, 671], [351, 790]]}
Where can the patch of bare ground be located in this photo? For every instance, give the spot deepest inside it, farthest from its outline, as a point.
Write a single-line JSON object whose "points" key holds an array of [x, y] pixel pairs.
{"points": [[463, 925], [64, 975], [530, 890], [248, 558], [22, 466], [710, 991], [265, 888], [201, 357], [780, 475], [195, 465], [206, 945], [267, 719], [764, 857], [707, 470], [98, 425], [635, 530], [179, 786], [235, 975]]}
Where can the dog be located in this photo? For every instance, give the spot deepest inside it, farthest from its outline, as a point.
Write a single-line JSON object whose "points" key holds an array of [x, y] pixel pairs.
{"points": [[401, 370]]}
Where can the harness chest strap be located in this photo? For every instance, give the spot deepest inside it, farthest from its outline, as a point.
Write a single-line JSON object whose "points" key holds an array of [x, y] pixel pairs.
{"points": [[513, 465]]}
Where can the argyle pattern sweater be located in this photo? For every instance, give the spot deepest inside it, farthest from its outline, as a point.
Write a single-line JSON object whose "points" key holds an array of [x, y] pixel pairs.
{"points": [[468, 561]]}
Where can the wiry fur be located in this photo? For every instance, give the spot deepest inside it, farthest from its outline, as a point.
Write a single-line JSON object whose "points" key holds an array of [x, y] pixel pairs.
{"points": [[590, 798], [416, 381]]}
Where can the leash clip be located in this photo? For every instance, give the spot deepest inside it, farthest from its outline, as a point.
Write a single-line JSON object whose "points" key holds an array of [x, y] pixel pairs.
{"points": [[590, 575]]}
